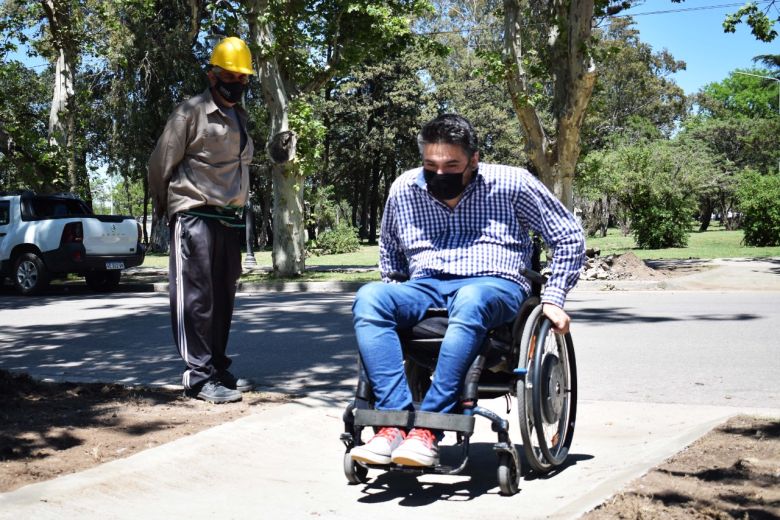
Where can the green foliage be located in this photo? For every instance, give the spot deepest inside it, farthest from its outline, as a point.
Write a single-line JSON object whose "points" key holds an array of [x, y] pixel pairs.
{"points": [[339, 240], [655, 184], [660, 218], [745, 95], [759, 21], [758, 202], [323, 210], [27, 160], [634, 96], [662, 191]]}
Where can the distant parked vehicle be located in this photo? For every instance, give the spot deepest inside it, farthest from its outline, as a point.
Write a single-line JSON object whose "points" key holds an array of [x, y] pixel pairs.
{"points": [[48, 236]]}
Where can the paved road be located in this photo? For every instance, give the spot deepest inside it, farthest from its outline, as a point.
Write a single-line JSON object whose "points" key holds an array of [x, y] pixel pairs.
{"points": [[689, 347], [657, 369]]}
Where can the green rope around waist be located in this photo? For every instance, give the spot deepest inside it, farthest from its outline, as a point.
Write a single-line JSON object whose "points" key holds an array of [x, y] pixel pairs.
{"points": [[227, 216]]}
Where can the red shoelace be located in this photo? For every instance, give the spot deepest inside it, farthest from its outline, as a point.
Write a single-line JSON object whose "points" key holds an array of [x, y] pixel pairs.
{"points": [[389, 433], [425, 435]]}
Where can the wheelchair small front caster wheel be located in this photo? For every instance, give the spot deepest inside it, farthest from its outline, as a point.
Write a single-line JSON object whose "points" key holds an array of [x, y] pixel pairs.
{"points": [[355, 473], [508, 475]]}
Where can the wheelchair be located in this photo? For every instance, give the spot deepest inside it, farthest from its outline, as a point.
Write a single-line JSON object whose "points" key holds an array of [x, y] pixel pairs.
{"points": [[524, 359]]}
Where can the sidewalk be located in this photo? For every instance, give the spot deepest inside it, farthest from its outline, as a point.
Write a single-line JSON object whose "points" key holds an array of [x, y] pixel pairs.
{"points": [[286, 463]]}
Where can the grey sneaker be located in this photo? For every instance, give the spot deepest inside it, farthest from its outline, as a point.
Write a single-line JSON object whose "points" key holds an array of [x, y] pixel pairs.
{"points": [[214, 392], [380, 447], [421, 448], [235, 383]]}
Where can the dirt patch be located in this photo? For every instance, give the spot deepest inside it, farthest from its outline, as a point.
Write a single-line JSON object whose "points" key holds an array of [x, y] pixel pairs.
{"points": [[628, 266], [52, 429], [732, 472]]}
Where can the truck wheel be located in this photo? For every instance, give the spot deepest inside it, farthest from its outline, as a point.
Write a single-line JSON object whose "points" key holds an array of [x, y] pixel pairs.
{"points": [[103, 281], [30, 274]]}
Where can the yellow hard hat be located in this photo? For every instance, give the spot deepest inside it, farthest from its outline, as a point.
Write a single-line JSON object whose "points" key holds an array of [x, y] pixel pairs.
{"points": [[232, 54]]}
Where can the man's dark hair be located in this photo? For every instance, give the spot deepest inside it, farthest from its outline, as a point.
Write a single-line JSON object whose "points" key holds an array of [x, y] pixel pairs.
{"points": [[449, 129]]}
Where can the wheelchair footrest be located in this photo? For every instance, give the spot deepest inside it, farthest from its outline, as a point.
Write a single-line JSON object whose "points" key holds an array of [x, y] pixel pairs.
{"points": [[408, 420]]}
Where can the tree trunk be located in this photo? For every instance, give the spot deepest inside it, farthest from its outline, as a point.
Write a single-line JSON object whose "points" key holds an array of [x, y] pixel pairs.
{"points": [[288, 252], [145, 180], [288, 224], [373, 211], [574, 77], [705, 214], [62, 115], [161, 236]]}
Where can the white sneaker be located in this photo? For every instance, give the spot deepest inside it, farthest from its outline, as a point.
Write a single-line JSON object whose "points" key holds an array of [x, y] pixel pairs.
{"points": [[380, 447], [421, 448]]}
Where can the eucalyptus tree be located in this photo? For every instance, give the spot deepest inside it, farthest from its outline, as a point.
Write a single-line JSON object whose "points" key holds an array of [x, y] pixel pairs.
{"points": [[461, 78], [634, 100], [634, 87], [60, 28], [27, 160], [299, 46]]}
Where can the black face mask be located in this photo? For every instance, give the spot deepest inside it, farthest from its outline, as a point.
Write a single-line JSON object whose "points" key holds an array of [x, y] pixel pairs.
{"points": [[445, 186], [230, 91]]}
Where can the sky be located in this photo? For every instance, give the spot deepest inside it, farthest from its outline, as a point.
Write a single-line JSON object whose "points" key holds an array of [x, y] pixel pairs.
{"points": [[692, 31]]}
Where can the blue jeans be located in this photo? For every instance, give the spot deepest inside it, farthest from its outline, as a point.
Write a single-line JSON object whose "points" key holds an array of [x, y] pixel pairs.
{"points": [[475, 305]]}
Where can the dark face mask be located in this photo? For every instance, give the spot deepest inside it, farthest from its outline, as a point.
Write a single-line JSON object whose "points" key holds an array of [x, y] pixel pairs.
{"points": [[445, 186], [230, 91]]}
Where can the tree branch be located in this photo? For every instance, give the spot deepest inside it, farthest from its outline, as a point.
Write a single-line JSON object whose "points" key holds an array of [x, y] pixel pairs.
{"points": [[537, 143]]}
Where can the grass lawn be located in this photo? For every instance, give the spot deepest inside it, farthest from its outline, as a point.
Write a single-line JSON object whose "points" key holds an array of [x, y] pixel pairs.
{"points": [[716, 242], [368, 256]]}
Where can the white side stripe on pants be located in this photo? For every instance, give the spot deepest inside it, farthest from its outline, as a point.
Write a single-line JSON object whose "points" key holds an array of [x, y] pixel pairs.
{"points": [[180, 300]]}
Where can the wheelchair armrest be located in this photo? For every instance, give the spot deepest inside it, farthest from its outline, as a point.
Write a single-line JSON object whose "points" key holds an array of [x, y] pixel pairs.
{"points": [[398, 276], [533, 276]]}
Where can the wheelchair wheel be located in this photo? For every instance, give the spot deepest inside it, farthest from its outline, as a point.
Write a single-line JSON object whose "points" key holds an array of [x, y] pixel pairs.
{"points": [[554, 393], [508, 475], [355, 473], [547, 396]]}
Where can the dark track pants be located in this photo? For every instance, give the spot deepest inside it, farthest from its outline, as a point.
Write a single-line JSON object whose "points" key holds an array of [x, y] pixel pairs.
{"points": [[204, 266]]}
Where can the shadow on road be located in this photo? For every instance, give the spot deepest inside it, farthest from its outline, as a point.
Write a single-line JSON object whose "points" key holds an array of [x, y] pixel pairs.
{"points": [[289, 342]]}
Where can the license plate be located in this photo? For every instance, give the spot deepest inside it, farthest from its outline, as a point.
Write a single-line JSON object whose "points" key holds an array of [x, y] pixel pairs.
{"points": [[115, 265]]}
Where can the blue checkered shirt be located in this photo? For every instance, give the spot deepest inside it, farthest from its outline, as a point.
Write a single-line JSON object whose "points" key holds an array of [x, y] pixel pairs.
{"points": [[486, 234]]}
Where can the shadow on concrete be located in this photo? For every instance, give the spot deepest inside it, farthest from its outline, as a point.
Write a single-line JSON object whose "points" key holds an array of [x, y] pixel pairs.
{"points": [[479, 478]]}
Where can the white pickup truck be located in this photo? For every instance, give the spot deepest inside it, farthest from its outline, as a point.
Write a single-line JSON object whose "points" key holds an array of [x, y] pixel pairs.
{"points": [[48, 236]]}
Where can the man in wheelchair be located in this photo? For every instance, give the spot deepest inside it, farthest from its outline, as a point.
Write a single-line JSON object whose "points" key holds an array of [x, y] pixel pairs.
{"points": [[455, 235]]}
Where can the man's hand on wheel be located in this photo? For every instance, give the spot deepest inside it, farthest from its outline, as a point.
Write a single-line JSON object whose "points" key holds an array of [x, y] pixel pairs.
{"points": [[557, 316]]}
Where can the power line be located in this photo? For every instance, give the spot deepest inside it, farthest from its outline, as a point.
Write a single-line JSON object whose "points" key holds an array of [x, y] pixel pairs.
{"points": [[686, 9], [667, 11]]}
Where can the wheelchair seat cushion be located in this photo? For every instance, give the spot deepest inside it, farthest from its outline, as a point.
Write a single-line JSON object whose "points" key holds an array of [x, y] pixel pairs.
{"points": [[430, 328]]}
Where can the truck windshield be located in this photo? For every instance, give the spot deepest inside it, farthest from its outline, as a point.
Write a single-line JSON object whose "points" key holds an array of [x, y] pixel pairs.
{"points": [[47, 207]]}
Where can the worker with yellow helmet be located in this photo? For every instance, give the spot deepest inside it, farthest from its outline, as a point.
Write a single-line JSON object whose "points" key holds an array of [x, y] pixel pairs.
{"points": [[199, 177]]}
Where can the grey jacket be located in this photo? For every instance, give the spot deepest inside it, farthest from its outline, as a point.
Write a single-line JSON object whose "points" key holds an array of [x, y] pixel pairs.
{"points": [[197, 160]]}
